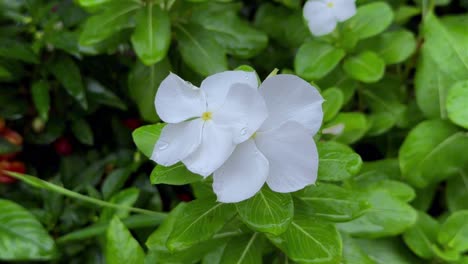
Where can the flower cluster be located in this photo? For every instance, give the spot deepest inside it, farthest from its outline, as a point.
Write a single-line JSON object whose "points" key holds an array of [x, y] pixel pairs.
{"points": [[323, 15], [243, 133]]}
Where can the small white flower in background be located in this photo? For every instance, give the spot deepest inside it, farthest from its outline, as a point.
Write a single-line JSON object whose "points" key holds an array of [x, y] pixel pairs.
{"points": [[205, 124], [323, 15], [282, 152]]}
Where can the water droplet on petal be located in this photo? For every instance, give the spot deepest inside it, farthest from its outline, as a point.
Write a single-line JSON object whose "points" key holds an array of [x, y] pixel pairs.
{"points": [[163, 145], [243, 131]]}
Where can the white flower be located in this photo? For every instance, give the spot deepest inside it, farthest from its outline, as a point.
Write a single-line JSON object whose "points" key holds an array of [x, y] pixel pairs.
{"points": [[323, 15], [205, 124], [282, 152]]}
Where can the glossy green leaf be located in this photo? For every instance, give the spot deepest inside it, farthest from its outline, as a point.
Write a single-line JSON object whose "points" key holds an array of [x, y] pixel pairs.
{"points": [[200, 220], [152, 35], [267, 211], [386, 251], [457, 99], [101, 95], [352, 253], [348, 127], [245, 249], [337, 161], [366, 67], [456, 193], [121, 247], [310, 240], [127, 198], [429, 152], [316, 59], [176, 174], [396, 46], [17, 50], [68, 74], [200, 50], [334, 100], [116, 16], [22, 237], [115, 181], [145, 138], [41, 98], [453, 233], [331, 203], [422, 237], [143, 83], [370, 20]]}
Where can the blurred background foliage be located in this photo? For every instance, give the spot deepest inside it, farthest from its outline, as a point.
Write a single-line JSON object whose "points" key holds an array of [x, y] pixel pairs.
{"points": [[77, 77]]}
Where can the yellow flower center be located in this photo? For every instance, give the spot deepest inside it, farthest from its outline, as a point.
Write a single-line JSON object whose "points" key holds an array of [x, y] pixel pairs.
{"points": [[330, 4], [207, 116], [254, 135]]}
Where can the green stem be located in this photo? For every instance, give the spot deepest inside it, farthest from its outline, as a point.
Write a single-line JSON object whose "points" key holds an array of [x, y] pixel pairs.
{"points": [[131, 222], [38, 183]]}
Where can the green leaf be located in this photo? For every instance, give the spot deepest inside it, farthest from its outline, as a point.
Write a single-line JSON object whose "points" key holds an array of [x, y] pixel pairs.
{"points": [[145, 137], [443, 62], [430, 153], [200, 220], [143, 83], [370, 20], [235, 35], [456, 104], [126, 198], [386, 251], [8, 147], [310, 240], [17, 50], [152, 36], [245, 249], [352, 253], [22, 236], [453, 233], [68, 74], [387, 216], [350, 126], [121, 247], [331, 203], [334, 100], [5, 74], [396, 46], [456, 193], [116, 16], [115, 180], [200, 50], [367, 67], [82, 131], [316, 59], [422, 237], [267, 212], [41, 98], [176, 174], [337, 161], [101, 95]]}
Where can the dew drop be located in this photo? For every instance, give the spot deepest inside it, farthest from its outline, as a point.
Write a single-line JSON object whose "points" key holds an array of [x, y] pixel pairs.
{"points": [[243, 131], [163, 145]]}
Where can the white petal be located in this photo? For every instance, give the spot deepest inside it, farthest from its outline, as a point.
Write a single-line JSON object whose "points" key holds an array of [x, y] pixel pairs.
{"points": [[177, 141], [292, 155], [319, 18], [216, 86], [215, 148], [344, 9], [289, 98], [177, 100], [242, 113], [243, 174]]}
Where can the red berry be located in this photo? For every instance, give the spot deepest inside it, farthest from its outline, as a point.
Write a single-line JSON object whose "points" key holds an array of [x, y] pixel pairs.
{"points": [[132, 123], [63, 146], [12, 136], [14, 166], [184, 197]]}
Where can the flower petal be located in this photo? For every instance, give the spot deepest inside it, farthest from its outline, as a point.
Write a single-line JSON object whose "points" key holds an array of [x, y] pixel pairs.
{"points": [[319, 18], [289, 98], [177, 141], [292, 155], [242, 175], [216, 86], [242, 113], [344, 9], [177, 100], [215, 148]]}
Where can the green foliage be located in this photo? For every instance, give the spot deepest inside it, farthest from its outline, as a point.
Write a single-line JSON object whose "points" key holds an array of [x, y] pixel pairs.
{"points": [[78, 83]]}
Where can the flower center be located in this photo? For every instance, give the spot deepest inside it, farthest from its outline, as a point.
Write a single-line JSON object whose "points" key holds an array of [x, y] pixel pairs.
{"points": [[330, 4], [206, 116], [254, 135]]}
